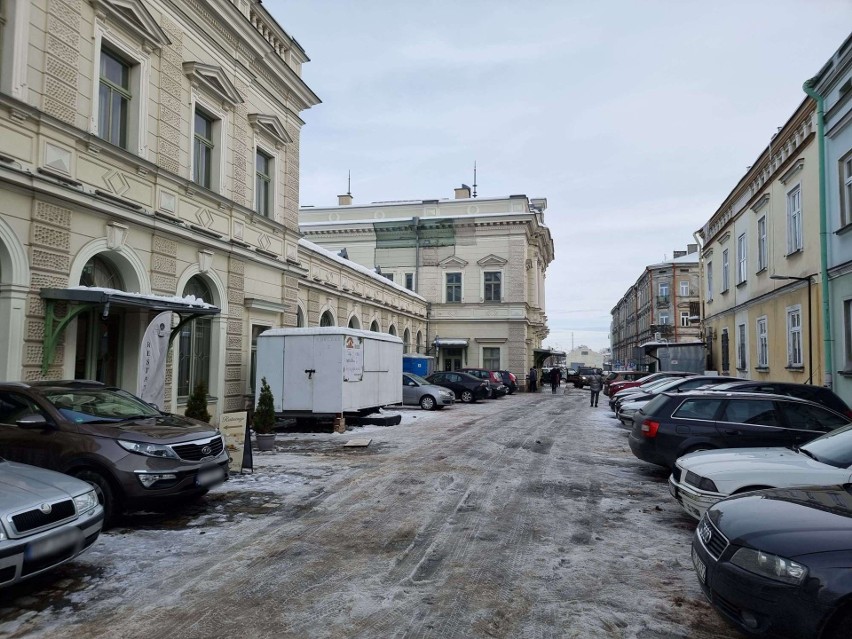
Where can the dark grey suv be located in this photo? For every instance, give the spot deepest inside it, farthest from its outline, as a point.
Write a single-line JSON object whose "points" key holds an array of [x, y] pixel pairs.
{"points": [[675, 424], [130, 452]]}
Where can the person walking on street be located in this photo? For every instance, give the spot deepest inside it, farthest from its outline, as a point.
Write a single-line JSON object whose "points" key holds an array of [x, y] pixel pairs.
{"points": [[533, 379], [555, 378], [595, 384]]}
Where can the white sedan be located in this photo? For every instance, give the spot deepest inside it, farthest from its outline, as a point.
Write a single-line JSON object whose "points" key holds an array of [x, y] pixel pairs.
{"points": [[701, 479]]}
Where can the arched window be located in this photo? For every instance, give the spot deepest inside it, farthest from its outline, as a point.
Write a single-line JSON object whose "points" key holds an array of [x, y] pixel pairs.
{"points": [[99, 338], [392, 330], [419, 341], [354, 323], [374, 326], [194, 360], [327, 319], [300, 318], [406, 340]]}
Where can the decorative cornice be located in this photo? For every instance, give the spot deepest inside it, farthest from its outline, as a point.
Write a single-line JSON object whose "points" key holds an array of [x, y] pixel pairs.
{"points": [[135, 18], [213, 79], [798, 165], [452, 261], [492, 260], [270, 125], [762, 201]]}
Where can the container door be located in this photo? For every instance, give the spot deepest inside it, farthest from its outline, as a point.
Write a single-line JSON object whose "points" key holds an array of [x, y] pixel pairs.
{"points": [[326, 392], [298, 357]]}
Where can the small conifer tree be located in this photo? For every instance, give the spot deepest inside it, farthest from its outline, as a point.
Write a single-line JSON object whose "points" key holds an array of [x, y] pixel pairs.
{"points": [[264, 414], [196, 404]]}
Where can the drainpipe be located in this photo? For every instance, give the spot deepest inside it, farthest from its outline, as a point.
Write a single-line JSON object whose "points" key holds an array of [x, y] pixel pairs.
{"points": [[808, 88]]}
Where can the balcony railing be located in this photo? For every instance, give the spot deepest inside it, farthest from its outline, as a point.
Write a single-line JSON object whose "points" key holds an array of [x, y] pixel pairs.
{"points": [[663, 300]]}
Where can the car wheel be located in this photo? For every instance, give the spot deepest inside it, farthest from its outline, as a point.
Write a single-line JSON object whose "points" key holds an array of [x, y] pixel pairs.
{"points": [[427, 402], [838, 627], [467, 397], [105, 492]]}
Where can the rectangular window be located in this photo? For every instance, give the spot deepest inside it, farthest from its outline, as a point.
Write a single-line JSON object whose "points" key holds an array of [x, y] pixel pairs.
{"points": [[388, 276], [664, 318], [493, 291], [846, 190], [454, 288], [794, 336], [847, 332], [256, 330], [709, 276], [742, 362], [684, 318], [742, 263], [409, 281], [726, 280], [114, 98], [202, 150], [684, 288], [761, 243], [491, 359], [263, 183], [794, 220], [725, 346], [762, 343]]}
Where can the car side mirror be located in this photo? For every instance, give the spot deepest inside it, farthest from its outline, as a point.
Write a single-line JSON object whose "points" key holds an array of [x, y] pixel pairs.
{"points": [[35, 421]]}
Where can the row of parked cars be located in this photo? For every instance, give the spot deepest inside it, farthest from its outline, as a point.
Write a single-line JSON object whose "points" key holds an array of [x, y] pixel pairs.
{"points": [[466, 385], [766, 469], [74, 454]]}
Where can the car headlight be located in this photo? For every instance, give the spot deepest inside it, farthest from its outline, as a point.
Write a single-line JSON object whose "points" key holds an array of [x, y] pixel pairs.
{"points": [[707, 484], [151, 450], [770, 566], [85, 502]]}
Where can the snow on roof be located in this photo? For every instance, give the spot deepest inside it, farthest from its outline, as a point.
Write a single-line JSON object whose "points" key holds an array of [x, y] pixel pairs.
{"points": [[189, 300], [689, 258], [331, 330], [316, 248], [461, 216]]}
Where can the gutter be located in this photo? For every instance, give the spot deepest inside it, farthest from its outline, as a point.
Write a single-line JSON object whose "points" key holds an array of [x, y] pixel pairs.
{"points": [[808, 88]]}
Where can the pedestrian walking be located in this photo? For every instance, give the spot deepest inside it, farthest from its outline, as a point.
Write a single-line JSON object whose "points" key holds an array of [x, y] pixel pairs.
{"points": [[555, 378], [533, 379], [595, 384]]}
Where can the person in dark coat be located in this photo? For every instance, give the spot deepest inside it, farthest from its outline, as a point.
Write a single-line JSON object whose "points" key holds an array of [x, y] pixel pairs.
{"points": [[555, 378], [595, 384], [533, 379]]}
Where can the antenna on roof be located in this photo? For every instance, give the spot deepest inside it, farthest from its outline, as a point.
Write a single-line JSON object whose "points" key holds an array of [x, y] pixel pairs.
{"points": [[474, 178], [349, 183]]}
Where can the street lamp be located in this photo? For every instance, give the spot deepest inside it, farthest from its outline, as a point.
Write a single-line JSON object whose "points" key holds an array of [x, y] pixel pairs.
{"points": [[810, 323]]}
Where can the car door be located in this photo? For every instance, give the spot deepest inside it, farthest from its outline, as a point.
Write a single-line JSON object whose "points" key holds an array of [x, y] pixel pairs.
{"points": [[409, 390], [749, 421], [807, 421], [37, 446]]}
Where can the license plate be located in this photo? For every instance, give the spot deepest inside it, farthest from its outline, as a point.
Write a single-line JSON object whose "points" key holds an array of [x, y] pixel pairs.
{"points": [[54, 544], [209, 476], [700, 568]]}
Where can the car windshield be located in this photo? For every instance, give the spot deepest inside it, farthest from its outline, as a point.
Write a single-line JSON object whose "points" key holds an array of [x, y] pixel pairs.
{"points": [[834, 448], [418, 379], [82, 405]]}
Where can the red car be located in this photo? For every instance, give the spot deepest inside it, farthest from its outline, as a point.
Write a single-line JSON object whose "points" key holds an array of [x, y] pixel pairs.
{"points": [[649, 377]]}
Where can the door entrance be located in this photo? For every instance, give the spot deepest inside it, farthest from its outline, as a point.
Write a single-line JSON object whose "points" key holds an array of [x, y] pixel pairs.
{"points": [[452, 359]]}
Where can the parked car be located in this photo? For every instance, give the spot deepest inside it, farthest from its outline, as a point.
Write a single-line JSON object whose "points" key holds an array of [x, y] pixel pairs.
{"points": [[493, 380], [416, 390], [776, 562], [647, 379], [674, 424], [467, 388], [613, 377], [46, 519], [509, 380], [130, 452], [627, 406], [580, 376], [701, 479], [818, 394], [621, 395]]}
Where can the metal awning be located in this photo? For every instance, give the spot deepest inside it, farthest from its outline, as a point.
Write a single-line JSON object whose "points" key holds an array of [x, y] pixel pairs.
{"points": [[451, 342], [85, 298], [541, 354]]}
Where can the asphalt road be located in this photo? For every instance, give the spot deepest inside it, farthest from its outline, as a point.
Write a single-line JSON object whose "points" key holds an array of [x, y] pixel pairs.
{"points": [[522, 517]]}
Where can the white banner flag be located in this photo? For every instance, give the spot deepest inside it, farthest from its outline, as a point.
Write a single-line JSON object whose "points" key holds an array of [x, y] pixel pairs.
{"points": [[151, 386]]}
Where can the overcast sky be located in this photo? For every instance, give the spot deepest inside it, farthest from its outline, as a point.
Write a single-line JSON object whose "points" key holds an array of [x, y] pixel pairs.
{"points": [[634, 119]]}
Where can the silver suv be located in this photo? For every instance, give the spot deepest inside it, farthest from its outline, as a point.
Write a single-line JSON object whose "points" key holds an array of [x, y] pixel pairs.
{"points": [[46, 519]]}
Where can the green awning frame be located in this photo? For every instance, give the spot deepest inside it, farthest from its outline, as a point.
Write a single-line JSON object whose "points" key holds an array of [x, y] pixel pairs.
{"points": [[86, 299]]}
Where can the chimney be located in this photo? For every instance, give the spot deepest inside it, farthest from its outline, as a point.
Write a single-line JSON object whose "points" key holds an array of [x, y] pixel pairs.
{"points": [[677, 254], [463, 192], [692, 248], [344, 200]]}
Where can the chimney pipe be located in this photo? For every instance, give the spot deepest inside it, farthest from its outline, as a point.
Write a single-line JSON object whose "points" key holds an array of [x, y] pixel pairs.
{"points": [[463, 192], [344, 200]]}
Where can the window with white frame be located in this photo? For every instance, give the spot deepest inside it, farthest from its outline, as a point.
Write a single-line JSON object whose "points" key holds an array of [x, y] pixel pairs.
{"points": [[114, 98], [726, 278], [409, 281], [684, 318], [847, 333], [453, 288], [491, 359], [761, 244], [762, 343], [794, 220], [664, 318], [846, 190], [742, 263], [664, 289], [492, 282], [684, 288], [708, 274], [794, 336], [203, 147], [264, 171], [742, 361]]}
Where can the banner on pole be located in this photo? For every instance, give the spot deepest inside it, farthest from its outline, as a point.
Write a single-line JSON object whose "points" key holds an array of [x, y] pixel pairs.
{"points": [[151, 384]]}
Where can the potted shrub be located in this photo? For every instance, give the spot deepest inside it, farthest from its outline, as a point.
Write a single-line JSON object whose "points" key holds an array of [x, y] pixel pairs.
{"points": [[264, 418], [196, 404]]}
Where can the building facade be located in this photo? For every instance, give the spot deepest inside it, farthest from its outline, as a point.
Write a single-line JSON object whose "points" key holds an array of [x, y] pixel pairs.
{"points": [[761, 264], [149, 151], [479, 263], [662, 305]]}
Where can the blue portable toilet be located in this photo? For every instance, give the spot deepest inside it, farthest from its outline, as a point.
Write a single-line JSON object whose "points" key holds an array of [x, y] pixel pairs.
{"points": [[422, 365]]}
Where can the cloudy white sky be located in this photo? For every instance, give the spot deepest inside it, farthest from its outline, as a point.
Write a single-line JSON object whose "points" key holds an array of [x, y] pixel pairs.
{"points": [[634, 119]]}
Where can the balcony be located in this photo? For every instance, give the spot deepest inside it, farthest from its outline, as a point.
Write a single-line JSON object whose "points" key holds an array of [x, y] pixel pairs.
{"points": [[663, 300]]}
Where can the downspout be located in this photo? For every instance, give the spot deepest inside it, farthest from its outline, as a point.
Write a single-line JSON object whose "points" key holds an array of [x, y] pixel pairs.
{"points": [[808, 88]]}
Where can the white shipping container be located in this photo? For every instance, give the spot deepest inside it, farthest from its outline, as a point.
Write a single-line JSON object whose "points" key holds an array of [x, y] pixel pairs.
{"points": [[330, 370]]}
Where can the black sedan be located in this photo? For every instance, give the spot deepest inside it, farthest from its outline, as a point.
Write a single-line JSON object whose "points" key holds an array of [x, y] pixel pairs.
{"points": [[777, 562], [467, 388]]}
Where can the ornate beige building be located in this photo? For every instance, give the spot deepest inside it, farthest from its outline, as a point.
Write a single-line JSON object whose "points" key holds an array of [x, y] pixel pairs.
{"points": [[479, 262], [151, 149]]}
